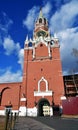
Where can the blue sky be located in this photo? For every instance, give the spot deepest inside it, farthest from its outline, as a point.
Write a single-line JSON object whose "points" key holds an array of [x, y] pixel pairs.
{"points": [[17, 21]]}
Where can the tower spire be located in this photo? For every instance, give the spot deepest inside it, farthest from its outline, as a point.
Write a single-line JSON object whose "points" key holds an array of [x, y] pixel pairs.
{"points": [[41, 26], [40, 14]]}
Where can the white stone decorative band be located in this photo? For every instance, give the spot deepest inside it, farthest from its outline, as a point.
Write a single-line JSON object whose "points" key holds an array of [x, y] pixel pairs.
{"points": [[46, 93], [23, 99], [63, 98]]}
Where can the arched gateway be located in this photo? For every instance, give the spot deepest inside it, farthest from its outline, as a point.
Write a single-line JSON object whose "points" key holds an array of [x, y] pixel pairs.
{"points": [[43, 107]]}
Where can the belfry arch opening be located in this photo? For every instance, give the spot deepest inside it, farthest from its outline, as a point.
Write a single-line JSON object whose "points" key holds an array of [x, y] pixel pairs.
{"points": [[42, 102]]}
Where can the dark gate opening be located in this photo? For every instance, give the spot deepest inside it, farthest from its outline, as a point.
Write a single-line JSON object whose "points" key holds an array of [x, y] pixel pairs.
{"points": [[41, 103]]}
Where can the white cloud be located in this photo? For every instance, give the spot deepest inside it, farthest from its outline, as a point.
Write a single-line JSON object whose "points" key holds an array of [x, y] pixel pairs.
{"points": [[5, 23], [0, 40], [13, 48], [21, 57], [62, 23], [46, 9], [33, 14], [10, 46], [64, 17], [9, 76], [30, 19], [75, 52], [68, 41]]}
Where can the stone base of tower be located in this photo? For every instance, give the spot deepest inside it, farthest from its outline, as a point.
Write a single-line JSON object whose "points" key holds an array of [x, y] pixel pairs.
{"points": [[22, 111], [22, 108], [32, 112]]}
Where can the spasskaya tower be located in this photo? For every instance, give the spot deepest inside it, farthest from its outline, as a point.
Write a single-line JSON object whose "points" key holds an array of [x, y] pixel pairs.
{"points": [[42, 87]]}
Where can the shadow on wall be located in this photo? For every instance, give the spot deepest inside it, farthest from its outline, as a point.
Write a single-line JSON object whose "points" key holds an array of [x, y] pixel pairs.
{"points": [[1, 93]]}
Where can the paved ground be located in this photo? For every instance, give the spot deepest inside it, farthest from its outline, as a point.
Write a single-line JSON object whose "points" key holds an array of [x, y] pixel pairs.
{"points": [[46, 123], [58, 123], [26, 123]]}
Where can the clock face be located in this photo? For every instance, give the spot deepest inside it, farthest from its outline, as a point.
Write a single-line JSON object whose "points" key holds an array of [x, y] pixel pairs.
{"points": [[41, 33]]}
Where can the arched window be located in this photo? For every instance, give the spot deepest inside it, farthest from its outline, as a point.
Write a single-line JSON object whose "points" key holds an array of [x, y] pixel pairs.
{"points": [[46, 83], [44, 21], [30, 44], [51, 42], [40, 20]]}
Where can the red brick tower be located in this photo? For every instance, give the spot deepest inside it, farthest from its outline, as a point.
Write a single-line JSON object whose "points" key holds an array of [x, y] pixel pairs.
{"points": [[43, 88]]}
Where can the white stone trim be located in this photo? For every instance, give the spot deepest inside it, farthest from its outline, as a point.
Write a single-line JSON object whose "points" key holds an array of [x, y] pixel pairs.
{"points": [[22, 111], [15, 111], [2, 112], [42, 79], [63, 98], [33, 52], [28, 48], [23, 99], [49, 51], [46, 93], [32, 112], [40, 40], [43, 93], [43, 40]]}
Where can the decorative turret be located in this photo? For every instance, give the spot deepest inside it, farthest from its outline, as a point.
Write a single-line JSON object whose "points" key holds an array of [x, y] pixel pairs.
{"points": [[41, 33], [41, 26]]}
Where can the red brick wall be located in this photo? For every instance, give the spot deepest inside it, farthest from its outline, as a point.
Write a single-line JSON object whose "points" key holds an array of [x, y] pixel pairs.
{"points": [[33, 71], [11, 95], [48, 68], [41, 51]]}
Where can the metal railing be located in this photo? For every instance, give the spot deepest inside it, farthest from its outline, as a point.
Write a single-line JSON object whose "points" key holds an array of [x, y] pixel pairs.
{"points": [[10, 120]]}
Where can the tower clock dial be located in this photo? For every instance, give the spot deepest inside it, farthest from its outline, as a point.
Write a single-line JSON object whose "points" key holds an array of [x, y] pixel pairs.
{"points": [[41, 33]]}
